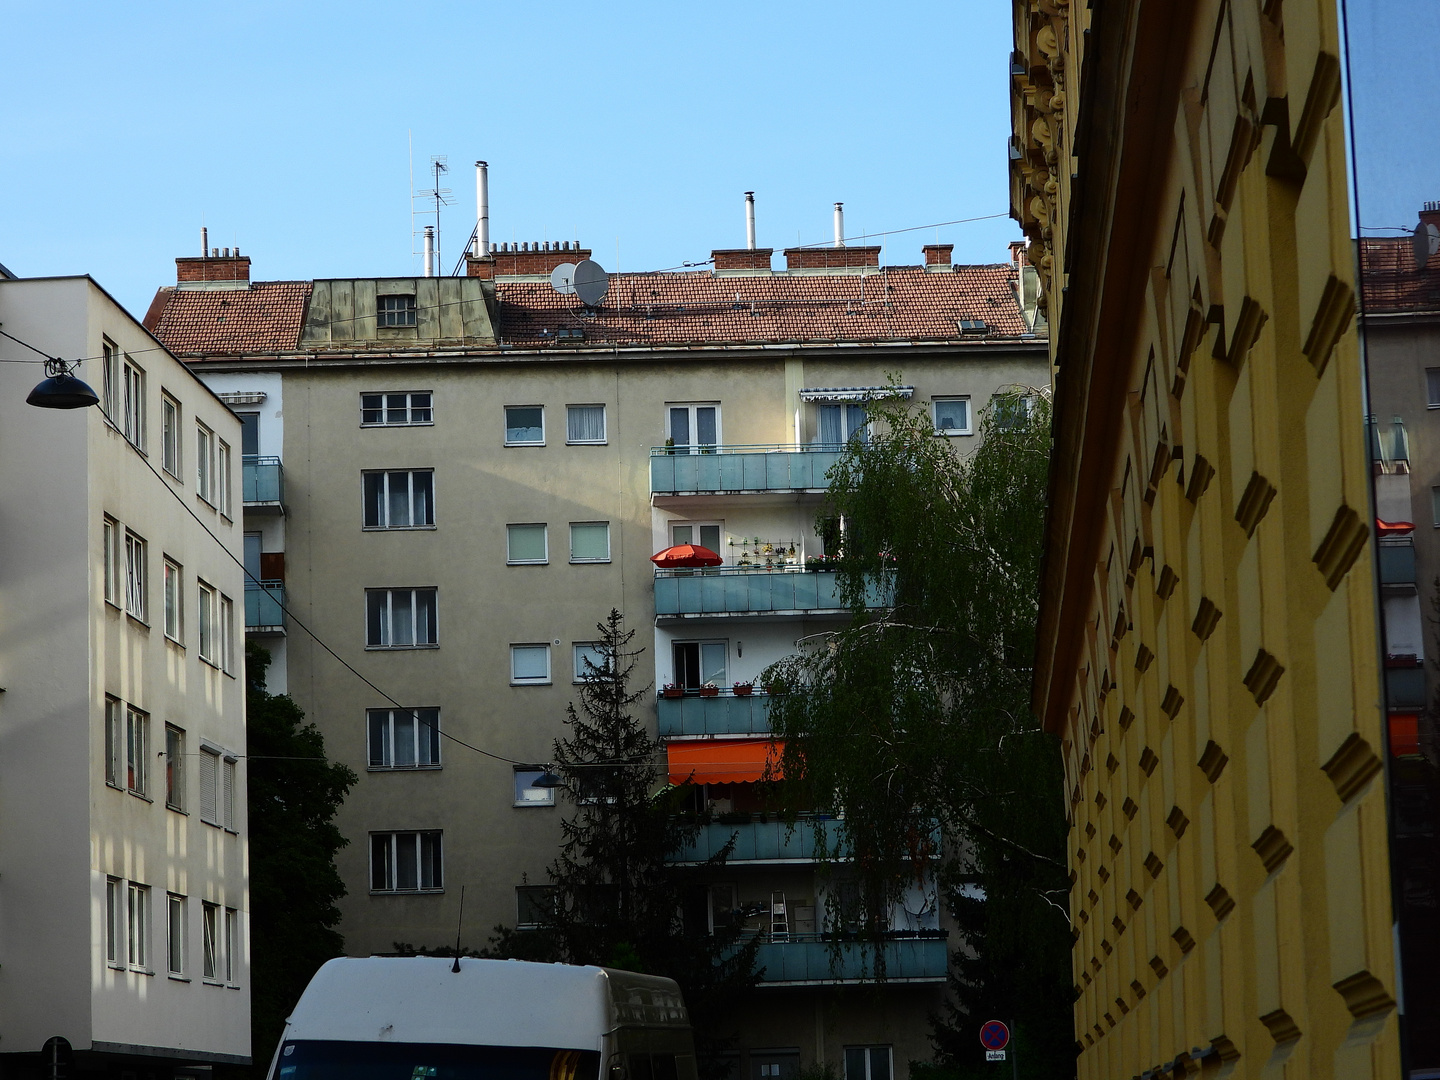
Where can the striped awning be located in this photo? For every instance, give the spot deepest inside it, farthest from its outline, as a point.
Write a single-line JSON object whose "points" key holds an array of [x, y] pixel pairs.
{"points": [[854, 393]]}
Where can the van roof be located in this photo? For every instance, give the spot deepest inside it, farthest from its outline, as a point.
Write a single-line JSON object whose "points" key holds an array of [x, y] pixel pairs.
{"points": [[487, 1003]]}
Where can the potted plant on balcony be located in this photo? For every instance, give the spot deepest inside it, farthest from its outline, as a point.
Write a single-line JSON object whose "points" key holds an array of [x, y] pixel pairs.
{"points": [[672, 690], [743, 689], [669, 446], [709, 690]]}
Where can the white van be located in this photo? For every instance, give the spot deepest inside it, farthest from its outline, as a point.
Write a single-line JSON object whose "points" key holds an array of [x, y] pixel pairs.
{"points": [[417, 1018]]}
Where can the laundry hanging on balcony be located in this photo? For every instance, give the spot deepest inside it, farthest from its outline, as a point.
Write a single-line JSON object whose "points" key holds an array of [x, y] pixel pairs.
{"points": [[686, 555], [731, 761]]}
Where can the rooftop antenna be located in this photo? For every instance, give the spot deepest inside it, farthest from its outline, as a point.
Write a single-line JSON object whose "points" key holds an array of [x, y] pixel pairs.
{"points": [[420, 205]]}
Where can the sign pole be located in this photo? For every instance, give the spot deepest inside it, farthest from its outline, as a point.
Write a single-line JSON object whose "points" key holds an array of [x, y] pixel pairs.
{"points": [[1014, 1065]]}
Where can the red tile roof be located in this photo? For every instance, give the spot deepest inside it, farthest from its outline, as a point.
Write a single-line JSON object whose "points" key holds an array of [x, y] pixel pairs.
{"points": [[1390, 281], [267, 317]]}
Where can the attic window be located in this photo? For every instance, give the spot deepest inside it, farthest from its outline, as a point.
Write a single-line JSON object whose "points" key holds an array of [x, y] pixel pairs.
{"points": [[570, 333], [972, 326], [395, 311]]}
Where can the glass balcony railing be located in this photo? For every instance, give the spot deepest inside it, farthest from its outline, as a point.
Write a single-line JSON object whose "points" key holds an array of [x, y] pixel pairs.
{"points": [[807, 958], [736, 591], [264, 481], [749, 468], [263, 606], [758, 841], [1397, 562], [724, 714], [1405, 687]]}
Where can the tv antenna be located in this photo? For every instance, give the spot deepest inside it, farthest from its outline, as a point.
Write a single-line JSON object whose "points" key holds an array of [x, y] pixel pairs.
{"points": [[429, 202]]}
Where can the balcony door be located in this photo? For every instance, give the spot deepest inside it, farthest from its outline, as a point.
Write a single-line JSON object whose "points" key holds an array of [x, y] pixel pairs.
{"points": [[694, 428], [252, 557], [699, 662], [840, 424], [249, 434], [704, 533]]}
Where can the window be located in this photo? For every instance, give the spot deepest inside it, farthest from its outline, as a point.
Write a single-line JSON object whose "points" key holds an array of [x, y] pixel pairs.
{"points": [[135, 575], [952, 416], [524, 425], [226, 628], [395, 311], [137, 749], [114, 739], [840, 424], [1011, 411], [138, 926], [205, 463], [695, 532], [399, 500], [529, 664], [399, 618], [173, 600], [227, 944], [114, 922], [114, 559], [174, 767], [1435, 505], [404, 738], [867, 1063], [170, 435], [210, 920], [206, 623], [774, 1064], [589, 541], [222, 476], [584, 423], [526, 544], [392, 410], [405, 862], [249, 434], [700, 662], [175, 934], [590, 660], [110, 357], [695, 428], [724, 907], [527, 794], [534, 905], [134, 416], [217, 788]]}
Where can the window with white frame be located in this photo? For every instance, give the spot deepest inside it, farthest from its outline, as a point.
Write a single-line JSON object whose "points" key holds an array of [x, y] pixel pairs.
{"points": [[217, 787], [110, 358], [114, 740], [589, 541], [226, 629], [526, 793], [774, 1064], [1432, 387], [867, 1063], [400, 618], [229, 935], [206, 623], [843, 423], [174, 767], [524, 425], [174, 600], [1011, 411], [395, 310], [529, 664], [137, 750], [205, 463], [133, 423], [403, 738], [705, 534], [175, 934], [396, 409], [700, 662], [115, 922], [135, 592], [170, 435], [137, 938], [112, 538], [526, 544], [211, 929], [406, 862], [222, 476], [399, 500], [951, 415], [534, 904], [591, 658], [585, 424], [694, 428]]}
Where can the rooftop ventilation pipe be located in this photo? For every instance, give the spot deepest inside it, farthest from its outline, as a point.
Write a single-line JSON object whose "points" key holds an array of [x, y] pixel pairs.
{"points": [[429, 250], [204, 241], [482, 206], [839, 224], [750, 221]]}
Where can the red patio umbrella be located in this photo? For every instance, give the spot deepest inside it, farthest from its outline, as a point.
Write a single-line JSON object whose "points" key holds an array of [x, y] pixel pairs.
{"points": [[686, 555]]}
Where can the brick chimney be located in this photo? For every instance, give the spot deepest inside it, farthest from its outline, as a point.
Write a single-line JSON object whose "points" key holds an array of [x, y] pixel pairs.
{"points": [[528, 260], [742, 258], [230, 268], [1430, 214], [937, 256], [826, 258]]}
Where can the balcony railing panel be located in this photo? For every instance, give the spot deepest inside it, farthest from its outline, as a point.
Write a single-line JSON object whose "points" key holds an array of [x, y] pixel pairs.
{"points": [[771, 467], [735, 591], [760, 841], [1397, 563], [1405, 687], [264, 479], [724, 714], [807, 959], [263, 605]]}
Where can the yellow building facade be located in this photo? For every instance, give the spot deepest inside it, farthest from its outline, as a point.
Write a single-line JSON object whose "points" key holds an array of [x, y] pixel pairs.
{"points": [[1208, 647]]}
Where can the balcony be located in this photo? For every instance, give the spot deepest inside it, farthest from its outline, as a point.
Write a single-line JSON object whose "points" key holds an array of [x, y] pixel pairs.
{"points": [[730, 591], [745, 469], [264, 611], [1397, 563], [1404, 685], [805, 959], [759, 842], [264, 483], [724, 714]]}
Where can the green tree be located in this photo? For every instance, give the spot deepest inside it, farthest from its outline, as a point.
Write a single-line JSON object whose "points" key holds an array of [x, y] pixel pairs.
{"points": [[919, 710], [294, 795]]}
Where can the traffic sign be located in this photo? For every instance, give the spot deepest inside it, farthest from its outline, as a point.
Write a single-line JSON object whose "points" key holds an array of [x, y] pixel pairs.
{"points": [[994, 1055], [994, 1035]]}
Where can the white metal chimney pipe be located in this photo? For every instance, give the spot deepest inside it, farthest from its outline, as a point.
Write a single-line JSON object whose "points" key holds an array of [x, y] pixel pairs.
{"points": [[750, 220], [839, 224], [482, 209], [429, 250], [204, 241]]}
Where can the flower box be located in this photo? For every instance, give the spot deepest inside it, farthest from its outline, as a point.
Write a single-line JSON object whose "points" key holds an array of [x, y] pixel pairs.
{"points": [[709, 691], [742, 689], [672, 692]]}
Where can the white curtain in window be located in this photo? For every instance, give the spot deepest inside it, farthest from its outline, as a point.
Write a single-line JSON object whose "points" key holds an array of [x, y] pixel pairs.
{"points": [[586, 423]]}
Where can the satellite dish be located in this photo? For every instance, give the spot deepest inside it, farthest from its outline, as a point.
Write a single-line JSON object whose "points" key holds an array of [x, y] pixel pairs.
{"points": [[562, 278], [591, 282], [1424, 243]]}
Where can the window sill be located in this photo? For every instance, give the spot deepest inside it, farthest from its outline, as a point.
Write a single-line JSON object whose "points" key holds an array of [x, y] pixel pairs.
{"points": [[534, 805], [528, 562], [400, 648], [397, 528], [112, 604], [207, 502], [173, 475], [140, 795], [113, 966], [176, 642], [225, 514], [588, 562], [406, 892], [402, 768], [207, 981], [137, 619], [526, 443], [952, 431], [531, 682], [408, 423], [587, 442], [178, 809], [113, 786], [208, 662], [141, 970], [178, 978]]}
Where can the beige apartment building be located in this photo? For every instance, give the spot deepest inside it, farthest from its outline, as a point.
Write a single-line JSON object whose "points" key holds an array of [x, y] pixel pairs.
{"points": [[477, 469], [123, 909]]}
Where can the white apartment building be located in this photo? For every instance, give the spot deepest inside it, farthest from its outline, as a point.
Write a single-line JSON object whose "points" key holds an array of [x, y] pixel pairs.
{"points": [[123, 909]]}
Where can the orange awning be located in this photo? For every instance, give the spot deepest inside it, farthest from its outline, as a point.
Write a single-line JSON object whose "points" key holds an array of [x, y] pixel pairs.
{"points": [[733, 761]]}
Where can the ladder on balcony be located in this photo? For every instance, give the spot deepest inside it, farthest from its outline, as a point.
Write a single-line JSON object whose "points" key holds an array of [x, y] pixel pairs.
{"points": [[779, 919]]}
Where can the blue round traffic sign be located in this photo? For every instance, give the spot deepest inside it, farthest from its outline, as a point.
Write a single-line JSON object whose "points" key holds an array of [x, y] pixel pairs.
{"points": [[994, 1035]]}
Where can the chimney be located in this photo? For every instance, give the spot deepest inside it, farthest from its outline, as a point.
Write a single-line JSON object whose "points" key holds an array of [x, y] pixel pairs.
{"points": [[1017, 253], [839, 224], [531, 260], [213, 271], [750, 220], [937, 256], [429, 250], [1430, 214], [204, 240], [831, 258], [750, 258], [482, 207]]}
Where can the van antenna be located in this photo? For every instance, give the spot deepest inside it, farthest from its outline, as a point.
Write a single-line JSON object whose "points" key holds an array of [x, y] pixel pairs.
{"points": [[455, 968]]}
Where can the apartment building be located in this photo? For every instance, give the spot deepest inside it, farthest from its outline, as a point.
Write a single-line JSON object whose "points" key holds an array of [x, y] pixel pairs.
{"points": [[477, 469], [123, 911]]}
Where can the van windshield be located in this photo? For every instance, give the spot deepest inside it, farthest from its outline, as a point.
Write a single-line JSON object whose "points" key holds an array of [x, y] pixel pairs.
{"points": [[329, 1060]]}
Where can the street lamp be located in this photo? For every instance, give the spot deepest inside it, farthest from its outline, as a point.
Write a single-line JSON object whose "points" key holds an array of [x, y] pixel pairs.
{"points": [[62, 390]]}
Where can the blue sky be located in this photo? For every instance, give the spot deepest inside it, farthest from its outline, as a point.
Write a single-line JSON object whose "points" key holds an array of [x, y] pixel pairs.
{"points": [[634, 127]]}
